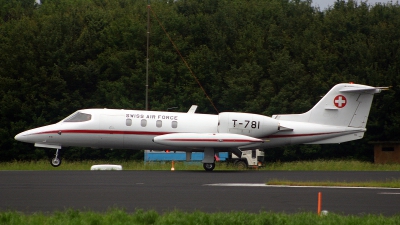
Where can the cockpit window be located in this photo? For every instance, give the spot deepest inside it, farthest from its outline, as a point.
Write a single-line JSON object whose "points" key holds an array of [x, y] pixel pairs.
{"points": [[79, 117]]}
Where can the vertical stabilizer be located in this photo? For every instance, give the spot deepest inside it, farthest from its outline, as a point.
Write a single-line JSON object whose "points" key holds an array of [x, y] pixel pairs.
{"points": [[344, 105]]}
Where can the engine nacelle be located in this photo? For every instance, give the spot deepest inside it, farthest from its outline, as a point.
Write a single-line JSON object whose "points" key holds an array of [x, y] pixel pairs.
{"points": [[252, 125]]}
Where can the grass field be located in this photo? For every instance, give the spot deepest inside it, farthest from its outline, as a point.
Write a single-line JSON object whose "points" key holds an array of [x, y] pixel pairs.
{"points": [[318, 165], [117, 216]]}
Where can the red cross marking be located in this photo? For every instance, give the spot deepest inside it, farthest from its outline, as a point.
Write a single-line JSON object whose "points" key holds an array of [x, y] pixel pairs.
{"points": [[340, 101]]}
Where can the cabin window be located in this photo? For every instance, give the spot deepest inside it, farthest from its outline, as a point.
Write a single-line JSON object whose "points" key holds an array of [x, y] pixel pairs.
{"points": [[129, 122], [159, 123], [79, 117], [143, 122], [174, 124]]}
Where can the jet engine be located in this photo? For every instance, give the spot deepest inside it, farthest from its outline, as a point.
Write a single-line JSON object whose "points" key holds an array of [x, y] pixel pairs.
{"points": [[252, 125]]}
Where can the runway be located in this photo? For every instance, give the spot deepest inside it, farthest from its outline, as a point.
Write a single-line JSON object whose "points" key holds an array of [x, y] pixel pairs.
{"points": [[49, 191]]}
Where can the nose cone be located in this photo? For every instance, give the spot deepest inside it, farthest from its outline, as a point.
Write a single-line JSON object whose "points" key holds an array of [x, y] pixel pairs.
{"points": [[18, 137], [23, 136], [35, 135]]}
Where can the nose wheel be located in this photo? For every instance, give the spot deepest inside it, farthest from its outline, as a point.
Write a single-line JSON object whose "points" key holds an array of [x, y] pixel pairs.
{"points": [[55, 161]]}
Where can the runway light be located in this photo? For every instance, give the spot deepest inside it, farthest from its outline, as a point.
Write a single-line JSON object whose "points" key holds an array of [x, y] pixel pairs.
{"points": [[167, 151]]}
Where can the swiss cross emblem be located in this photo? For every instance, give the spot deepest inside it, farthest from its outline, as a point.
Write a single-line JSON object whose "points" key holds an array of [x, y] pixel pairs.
{"points": [[340, 101]]}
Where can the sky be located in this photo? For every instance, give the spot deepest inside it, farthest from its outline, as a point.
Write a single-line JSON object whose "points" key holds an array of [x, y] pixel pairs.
{"points": [[324, 4]]}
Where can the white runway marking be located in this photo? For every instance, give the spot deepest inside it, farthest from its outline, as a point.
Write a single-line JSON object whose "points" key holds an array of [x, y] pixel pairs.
{"points": [[237, 185], [289, 186], [389, 193]]}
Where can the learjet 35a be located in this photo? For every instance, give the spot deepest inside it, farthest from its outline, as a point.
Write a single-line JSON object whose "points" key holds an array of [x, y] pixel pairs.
{"points": [[340, 116]]}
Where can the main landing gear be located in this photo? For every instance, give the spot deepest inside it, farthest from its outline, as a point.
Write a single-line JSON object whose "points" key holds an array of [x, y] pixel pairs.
{"points": [[209, 166], [209, 159], [55, 161]]}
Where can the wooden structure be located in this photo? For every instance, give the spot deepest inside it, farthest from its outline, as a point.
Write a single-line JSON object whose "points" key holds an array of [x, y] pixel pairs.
{"points": [[386, 151]]}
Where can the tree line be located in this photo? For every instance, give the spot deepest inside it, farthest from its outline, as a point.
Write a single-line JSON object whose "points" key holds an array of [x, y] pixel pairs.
{"points": [[258, 56]]}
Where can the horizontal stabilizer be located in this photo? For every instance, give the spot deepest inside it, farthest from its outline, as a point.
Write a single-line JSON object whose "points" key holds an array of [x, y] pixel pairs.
{"points": [[360, 89]]}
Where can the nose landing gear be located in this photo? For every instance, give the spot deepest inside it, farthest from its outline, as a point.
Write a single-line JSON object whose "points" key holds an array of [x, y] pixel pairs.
{"points": [[55, 161]]}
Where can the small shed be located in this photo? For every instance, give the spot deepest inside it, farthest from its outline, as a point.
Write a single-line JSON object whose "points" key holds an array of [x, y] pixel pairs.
{"points": [[386, 151]]}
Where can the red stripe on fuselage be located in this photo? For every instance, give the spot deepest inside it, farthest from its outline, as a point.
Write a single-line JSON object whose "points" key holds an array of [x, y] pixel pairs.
{"points": [[162, 133], [103, 132]]}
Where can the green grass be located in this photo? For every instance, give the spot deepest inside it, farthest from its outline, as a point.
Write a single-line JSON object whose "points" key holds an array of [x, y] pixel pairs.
{"points": [[318, 165], [85, 165], [117, 216]]}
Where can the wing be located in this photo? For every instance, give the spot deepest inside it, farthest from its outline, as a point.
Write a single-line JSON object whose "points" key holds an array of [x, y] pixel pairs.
{"points": [[207, 140]]}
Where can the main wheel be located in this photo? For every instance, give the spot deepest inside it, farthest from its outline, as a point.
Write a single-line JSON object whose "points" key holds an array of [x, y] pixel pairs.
{"points": [[55, 162], [240, 165], [209, 166]]}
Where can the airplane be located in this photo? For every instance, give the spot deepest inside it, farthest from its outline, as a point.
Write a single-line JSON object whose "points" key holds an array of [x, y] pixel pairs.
{"points": [[340, 116]]}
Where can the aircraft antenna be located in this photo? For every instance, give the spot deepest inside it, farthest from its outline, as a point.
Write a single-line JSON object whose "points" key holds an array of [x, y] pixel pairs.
{"points": [[183, 59], [147, 55]]}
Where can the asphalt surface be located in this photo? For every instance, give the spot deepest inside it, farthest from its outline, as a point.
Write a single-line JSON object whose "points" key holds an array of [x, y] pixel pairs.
{"points": [[49, 191]]}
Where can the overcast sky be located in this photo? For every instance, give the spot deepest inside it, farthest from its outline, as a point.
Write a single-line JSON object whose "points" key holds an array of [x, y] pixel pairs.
{"points": [[323, 4]]}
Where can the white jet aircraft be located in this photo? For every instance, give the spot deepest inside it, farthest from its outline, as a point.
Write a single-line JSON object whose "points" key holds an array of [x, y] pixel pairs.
{"points": [[340, 116]]}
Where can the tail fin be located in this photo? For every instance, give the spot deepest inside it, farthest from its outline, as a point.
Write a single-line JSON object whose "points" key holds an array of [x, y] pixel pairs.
{"points": [[344, 105]]}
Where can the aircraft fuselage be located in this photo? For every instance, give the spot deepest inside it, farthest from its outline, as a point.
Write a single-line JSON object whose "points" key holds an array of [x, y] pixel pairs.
{"points": [[340, 116], [135, 129]]}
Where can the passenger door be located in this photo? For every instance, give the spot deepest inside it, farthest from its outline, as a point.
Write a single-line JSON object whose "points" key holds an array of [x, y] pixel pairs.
{"points": [[111, 132]]}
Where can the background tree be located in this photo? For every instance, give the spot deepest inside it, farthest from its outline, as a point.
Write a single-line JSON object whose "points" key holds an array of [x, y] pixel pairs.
{"points": [[265, 57]]}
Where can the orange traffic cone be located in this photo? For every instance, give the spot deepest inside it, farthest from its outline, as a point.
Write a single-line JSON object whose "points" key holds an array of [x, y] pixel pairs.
{"points": [[173, 164]]}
